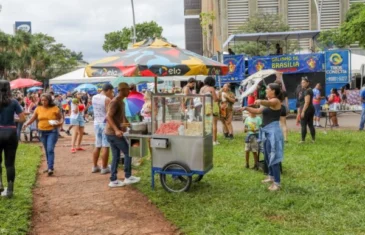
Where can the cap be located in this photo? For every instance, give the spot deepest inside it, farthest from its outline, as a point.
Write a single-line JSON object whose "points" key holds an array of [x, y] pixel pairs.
{"points": [[191, 80]]}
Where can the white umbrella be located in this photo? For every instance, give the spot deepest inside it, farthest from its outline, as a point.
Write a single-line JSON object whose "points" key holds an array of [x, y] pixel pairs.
{"points": [[252, 81]]}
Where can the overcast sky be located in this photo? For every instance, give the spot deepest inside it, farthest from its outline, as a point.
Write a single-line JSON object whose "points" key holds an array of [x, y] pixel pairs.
{"points": [[82, 24]]}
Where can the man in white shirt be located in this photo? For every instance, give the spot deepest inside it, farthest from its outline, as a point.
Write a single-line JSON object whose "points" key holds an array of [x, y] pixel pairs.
{"points": [[100, 104]]}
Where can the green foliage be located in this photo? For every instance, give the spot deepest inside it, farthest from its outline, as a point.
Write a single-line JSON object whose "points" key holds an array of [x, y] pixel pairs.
{"points": [[206, 20], [37, 56], [322, 191], [350, 31], [119, 40], [15, 214], [262, 23]]}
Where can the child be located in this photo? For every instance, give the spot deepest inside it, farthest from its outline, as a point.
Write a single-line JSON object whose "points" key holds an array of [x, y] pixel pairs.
{"points": [[252, 124]]}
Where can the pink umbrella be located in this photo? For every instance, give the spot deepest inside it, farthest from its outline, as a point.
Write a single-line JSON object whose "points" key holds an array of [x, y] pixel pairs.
{"points": [[24, 83]]}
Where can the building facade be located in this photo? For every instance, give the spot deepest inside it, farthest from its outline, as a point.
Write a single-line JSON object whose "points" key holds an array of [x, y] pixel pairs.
{"points": [[193, 29], [298, 14]]}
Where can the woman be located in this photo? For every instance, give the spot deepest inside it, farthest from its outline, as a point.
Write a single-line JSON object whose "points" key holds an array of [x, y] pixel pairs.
{"points": [[307, 111], [49, 118], [78, 123], [270, 133], [8, 135], [284, 112], [343, 95], [208, 88], [334, 100]]}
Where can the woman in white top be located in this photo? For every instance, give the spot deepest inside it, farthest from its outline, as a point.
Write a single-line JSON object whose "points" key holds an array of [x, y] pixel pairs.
{"points": [[78, 122]]}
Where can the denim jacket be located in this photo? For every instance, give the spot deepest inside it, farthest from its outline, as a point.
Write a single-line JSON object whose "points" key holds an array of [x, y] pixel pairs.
{"points": [[274, 135]]}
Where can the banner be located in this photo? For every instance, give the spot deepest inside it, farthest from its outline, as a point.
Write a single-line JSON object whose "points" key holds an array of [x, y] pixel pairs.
{"points": [[236, 69], [307, 63], [64, 88], [337, 66], [25, 26]]}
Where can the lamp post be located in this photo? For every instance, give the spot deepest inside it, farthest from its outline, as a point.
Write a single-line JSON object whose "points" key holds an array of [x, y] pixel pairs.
{"points": [[134, 38], [319, 10]]}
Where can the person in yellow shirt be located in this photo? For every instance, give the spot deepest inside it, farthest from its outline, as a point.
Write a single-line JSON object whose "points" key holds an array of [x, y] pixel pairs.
{"points": [[49, 118]]}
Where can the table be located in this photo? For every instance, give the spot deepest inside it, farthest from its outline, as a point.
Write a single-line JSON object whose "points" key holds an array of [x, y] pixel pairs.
{"points": [[328, 120]]}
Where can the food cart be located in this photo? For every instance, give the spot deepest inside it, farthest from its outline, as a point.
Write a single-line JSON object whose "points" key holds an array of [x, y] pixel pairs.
{"points": [[181, 143]]}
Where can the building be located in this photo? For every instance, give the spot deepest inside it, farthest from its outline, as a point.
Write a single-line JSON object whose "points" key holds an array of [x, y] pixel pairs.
{"points": [[193, 29], [299, 15]]}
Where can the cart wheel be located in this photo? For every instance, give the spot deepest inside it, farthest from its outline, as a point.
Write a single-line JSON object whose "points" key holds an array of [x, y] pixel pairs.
{"points": [[195, 178], [173, 183]]}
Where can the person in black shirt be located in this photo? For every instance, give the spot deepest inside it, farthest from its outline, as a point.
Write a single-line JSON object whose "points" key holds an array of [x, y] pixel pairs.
{"points": [[8, 135], [307, 110]]}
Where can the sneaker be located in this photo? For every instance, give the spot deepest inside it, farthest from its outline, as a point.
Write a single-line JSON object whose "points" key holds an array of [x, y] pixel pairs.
{"points": [[267, 180], [274, 187], [50, 172], [95, 169], [116, 183], [105, 171], [132, 180], [215, 143]]}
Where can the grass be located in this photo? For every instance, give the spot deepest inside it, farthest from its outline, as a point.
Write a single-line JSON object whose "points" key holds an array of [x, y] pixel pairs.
{"points": [[323, 191], [15, 213]]}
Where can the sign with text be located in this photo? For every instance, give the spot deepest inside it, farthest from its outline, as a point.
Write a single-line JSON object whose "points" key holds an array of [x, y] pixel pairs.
{"points": [[236, 68], [337, 66], [25, 26], [287, 64]]}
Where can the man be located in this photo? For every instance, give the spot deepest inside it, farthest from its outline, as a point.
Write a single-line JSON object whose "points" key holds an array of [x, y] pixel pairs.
{"points": [[362, 96], [228, 97], [114, 130], [317, 104], [100, 104], [187, 90]]}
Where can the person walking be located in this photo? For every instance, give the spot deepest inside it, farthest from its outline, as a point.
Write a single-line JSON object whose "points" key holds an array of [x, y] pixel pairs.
{"points": [[100, 104], [49, 119], [317, 104], [8, 135], [114, 130], [77, 122], [362, 96], [208, 88], [270, 133], [229, 98], [307, 111]]}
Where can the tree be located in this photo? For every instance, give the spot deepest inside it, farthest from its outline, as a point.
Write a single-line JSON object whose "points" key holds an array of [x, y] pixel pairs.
{"points": [[262, 23], [351, 30], [119, 40]]}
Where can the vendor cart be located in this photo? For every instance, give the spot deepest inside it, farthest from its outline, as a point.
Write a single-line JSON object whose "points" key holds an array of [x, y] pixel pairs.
{"points": [[182, 146]]}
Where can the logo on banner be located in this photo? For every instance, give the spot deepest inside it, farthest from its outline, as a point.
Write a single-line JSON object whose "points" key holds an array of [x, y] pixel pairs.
{"points": [[231, 66], [336, 59], [312, 63], [259, 65]]}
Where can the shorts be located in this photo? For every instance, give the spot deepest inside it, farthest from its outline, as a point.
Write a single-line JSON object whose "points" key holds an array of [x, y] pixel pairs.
{"points": [[252, 145], [100, 137], [317, 110], [78, 121], [283, 111]]}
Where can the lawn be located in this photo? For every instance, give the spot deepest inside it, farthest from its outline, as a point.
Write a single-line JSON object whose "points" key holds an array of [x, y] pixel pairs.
{"points": [[15, 213], [323, 191]]}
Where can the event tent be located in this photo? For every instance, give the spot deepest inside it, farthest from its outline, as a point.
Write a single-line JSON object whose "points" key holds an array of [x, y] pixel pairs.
{"points": [[78, 77]]}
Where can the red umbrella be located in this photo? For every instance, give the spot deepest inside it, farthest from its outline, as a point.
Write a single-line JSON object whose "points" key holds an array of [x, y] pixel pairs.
{"points": [[24, 83]]}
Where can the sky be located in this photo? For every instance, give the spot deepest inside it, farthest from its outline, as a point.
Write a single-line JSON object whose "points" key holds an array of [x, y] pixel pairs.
{"points": [[81, 24]]}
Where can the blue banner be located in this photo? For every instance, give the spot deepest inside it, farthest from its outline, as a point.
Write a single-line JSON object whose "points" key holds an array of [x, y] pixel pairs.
{"points": [[236, 68], [25, 26], [337, 66], [307, 63], [64, 88]]}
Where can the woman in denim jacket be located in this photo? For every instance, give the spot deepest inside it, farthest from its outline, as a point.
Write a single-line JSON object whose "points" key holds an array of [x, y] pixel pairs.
{"points": [[270, 133]]}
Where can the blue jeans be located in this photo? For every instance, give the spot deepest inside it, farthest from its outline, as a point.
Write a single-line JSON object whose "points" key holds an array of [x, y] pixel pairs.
{"points": [[118, 145], [49, 140], [274, 170], [362, 122], [19, 126]]}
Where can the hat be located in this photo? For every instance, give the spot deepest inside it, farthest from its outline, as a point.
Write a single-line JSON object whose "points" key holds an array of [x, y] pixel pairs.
{"points": [[191, 80]]}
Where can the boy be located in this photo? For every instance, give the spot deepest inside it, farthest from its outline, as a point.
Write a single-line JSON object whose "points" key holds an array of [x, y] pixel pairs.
{"points": [[252, 124]]}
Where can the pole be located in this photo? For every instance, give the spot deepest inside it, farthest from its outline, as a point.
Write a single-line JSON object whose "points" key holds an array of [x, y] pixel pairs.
{"points": [[134, 38], [319, 11]]}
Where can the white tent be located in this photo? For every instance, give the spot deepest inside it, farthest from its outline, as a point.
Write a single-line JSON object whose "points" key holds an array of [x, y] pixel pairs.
{"points": [[78, 77], [356, 62]]}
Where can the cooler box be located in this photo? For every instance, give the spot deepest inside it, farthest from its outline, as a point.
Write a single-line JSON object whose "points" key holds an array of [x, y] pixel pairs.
{"points": [[67, 121]]}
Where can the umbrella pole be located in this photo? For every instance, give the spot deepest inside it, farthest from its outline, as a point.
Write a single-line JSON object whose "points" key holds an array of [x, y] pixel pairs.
{"points": [[155, 84]]}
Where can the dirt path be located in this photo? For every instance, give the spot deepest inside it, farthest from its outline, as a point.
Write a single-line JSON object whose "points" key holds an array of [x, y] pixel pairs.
{"points": [[74, 201]]}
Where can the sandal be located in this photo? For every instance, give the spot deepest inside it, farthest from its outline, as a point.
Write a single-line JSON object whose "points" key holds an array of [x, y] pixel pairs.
{"points": [[80, 149], [274, 187], [267, 180], [73, 150]]}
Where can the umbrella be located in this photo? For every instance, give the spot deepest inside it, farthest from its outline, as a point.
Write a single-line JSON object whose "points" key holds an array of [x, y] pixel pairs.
{"points": [[134, 80], [153, 58], [87, 88], [24, 83], [133, 103], [252, 81], [33, 89]]}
